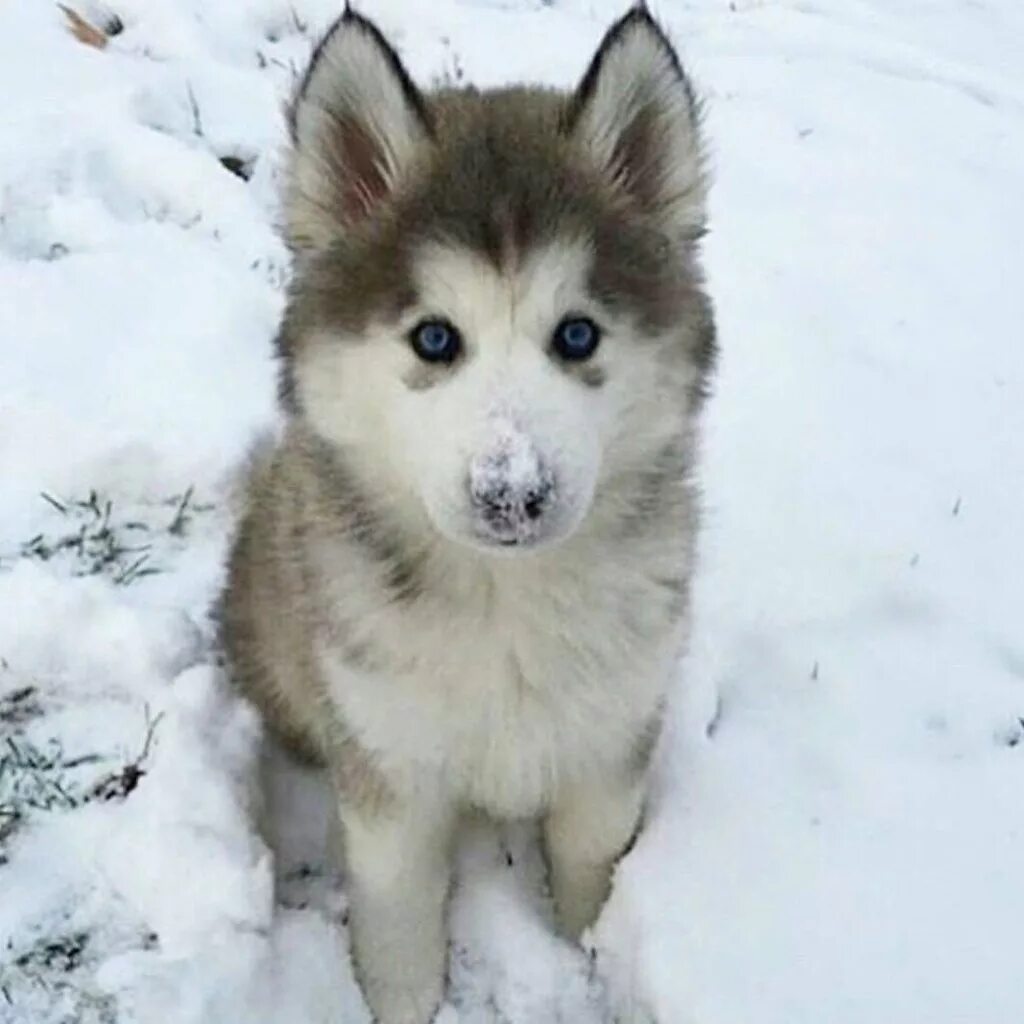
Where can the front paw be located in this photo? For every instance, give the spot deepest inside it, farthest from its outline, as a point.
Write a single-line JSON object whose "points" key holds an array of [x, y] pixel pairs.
{"points": [[397, 1003], [401, 972]]}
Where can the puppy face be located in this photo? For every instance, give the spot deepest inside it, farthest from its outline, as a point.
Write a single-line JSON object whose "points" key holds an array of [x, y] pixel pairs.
{"points": [[497, 307]]}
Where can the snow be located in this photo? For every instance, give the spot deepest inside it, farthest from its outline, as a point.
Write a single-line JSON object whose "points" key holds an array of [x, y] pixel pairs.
{"points": [[838, 830]]}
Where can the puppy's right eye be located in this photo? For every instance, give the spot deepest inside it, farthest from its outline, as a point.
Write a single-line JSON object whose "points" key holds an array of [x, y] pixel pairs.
{"points": [[436, 341]]}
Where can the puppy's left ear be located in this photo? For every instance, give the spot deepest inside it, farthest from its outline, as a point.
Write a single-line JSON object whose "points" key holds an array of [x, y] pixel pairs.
{"points": [[636, 114]]}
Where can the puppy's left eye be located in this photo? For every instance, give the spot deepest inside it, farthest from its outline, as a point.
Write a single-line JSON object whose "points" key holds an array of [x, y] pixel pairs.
{"points": [[576, 338], [435, 341]]}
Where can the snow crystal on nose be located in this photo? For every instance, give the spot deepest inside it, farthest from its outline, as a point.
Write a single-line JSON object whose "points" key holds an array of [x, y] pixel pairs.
{"points": [[510, 461]]}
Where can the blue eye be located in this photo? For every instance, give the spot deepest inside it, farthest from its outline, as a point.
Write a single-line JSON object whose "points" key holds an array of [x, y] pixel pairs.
{"points": [[435, 341], [576, 338]]}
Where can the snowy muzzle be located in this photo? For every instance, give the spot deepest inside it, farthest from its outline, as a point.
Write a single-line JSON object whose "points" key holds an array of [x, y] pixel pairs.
{"points": [[512, 492]]}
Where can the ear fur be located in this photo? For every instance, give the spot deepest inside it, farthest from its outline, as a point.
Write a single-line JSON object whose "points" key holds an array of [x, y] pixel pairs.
{"points": [[356, 122], [636, 113]]}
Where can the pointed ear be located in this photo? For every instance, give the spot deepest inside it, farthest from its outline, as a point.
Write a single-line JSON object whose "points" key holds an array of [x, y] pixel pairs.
{"points": [[356, 123], [636, 113]]}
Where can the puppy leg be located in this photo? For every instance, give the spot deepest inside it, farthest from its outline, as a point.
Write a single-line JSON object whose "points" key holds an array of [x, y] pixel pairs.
{"points": [[397, 862], [586, 831]]}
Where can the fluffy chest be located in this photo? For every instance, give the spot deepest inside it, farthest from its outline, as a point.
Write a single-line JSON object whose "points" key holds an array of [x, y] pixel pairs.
{"points": [[500, 695]]}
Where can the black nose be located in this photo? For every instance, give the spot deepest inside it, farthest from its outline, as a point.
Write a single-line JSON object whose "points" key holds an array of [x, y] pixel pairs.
{"points": [[536, 500], [506, 506]]}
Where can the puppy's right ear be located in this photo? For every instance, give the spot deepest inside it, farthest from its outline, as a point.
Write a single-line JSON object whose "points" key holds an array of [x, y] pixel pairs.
{"points": [[356, 124]]}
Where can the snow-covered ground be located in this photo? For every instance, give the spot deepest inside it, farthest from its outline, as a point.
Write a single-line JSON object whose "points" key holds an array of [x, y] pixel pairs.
{"points": [[838, 834]]}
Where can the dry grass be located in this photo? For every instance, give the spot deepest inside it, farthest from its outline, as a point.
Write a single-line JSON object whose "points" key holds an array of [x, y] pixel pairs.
{"points": [[82, 30]]}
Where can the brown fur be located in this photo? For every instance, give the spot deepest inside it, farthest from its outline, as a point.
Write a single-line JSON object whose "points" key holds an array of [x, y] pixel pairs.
{"points": [[271, 613]]}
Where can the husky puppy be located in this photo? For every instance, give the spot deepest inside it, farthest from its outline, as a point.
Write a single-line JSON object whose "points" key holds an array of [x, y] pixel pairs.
{"points": [[461, 581]]}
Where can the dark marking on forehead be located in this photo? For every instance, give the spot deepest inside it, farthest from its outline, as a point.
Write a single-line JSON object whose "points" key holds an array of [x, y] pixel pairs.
{"points": [[505, 179], [502, 177]]}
